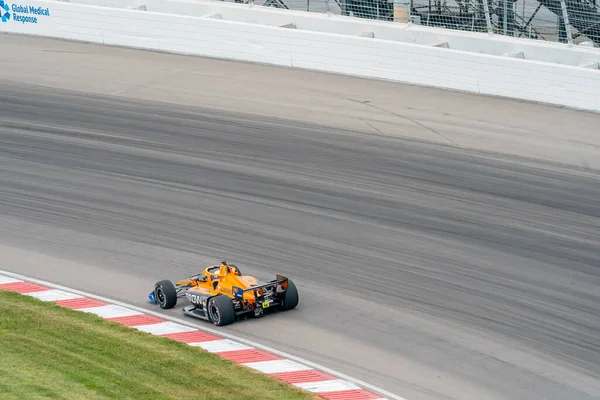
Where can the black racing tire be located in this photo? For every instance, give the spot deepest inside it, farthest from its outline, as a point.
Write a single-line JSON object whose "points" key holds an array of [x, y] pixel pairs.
{"points": [[165, 294], [220, 310], [290, 297]]}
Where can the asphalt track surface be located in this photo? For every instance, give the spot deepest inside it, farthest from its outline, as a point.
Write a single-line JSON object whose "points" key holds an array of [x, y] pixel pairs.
{"points": [[434, 257]]}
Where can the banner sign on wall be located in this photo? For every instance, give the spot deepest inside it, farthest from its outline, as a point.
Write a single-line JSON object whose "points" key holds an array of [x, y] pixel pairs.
{"points": [[22, 13]]}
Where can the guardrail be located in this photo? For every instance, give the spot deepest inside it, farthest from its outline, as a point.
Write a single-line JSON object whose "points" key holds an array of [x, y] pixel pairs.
{"points": [[274, 37]]}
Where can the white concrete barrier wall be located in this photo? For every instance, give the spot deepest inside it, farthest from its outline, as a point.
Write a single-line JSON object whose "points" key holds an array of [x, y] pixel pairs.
{"points": [[457, 40], [367, 57]]}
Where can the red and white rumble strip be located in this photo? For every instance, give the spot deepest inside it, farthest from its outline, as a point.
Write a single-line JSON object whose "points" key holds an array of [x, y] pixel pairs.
{"points": [[323, 384]]}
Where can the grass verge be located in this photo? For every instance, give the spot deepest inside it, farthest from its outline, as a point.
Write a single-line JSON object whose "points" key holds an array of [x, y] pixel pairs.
{"points": [[51, 352]]}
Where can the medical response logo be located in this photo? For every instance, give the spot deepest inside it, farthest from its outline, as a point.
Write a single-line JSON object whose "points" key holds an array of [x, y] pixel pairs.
{"points": [[4, 11], [22, 13]]}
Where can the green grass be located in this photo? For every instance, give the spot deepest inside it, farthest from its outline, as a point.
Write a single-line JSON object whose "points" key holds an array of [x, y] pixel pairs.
{"points": [[50, 352]]}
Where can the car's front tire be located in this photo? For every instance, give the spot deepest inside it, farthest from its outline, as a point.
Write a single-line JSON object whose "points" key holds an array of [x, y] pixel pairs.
{"points": [[221, 310], [165, 294]]}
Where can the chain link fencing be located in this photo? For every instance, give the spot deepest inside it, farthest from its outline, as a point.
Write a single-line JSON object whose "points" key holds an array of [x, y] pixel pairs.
{"points": [[565, 21]]}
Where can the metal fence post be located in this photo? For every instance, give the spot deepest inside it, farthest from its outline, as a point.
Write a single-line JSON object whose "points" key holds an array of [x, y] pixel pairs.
{"points": [[488, 20], [563, 6], [505, 17]]}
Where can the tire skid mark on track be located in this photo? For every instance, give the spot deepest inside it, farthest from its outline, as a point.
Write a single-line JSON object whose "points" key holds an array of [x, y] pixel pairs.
{"points": [[323, 384]]}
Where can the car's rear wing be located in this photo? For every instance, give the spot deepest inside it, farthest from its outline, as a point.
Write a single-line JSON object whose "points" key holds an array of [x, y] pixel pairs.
{"points": [[280, 281]]}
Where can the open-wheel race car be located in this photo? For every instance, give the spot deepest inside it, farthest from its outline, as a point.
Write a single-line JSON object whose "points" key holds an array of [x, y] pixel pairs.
{"points": [[221, 294]]}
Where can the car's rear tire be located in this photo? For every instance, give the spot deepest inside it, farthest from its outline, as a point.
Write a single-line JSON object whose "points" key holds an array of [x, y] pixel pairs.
{"points": [[165, 294], [290, 297], [220, 310]]}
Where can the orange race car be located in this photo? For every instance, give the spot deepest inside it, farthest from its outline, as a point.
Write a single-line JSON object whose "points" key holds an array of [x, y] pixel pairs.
{"points": [[221, 294]]}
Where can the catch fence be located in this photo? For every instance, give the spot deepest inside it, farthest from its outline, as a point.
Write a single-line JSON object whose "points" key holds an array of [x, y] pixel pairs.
{"points": [[565, 21]]}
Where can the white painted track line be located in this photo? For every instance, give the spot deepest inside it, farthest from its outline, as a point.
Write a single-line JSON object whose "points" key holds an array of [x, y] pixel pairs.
{"points": [[219, 346], [110, 311], [277, 366], [4, 280], [54, 295], [336, 385], [164, 328]]}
